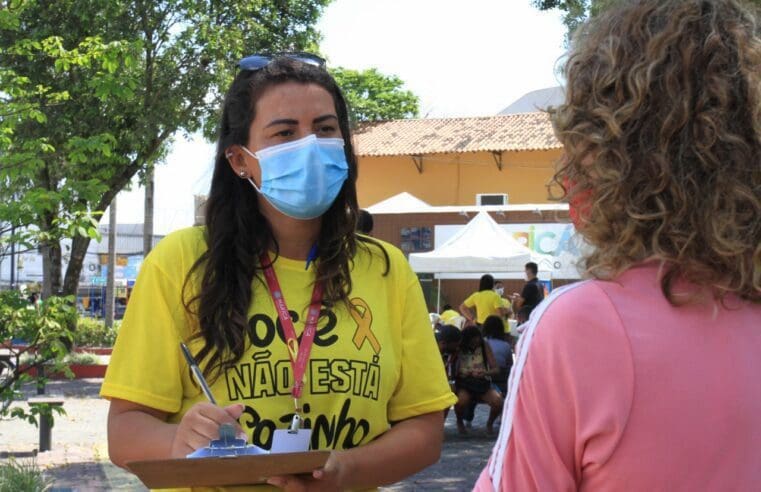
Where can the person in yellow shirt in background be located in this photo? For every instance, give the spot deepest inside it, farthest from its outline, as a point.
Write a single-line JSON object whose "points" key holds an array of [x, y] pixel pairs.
{"points": [[448, 315], [483, 303]]}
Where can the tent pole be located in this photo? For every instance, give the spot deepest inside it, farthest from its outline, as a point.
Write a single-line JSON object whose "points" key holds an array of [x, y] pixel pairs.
{"points": [[438, 297]]}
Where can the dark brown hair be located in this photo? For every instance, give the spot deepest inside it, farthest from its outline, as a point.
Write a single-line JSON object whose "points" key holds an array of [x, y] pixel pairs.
{"points": [[237, 233]]}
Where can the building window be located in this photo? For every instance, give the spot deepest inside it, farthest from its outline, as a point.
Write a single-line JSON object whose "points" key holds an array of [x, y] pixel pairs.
{"points": [[416, 239]]}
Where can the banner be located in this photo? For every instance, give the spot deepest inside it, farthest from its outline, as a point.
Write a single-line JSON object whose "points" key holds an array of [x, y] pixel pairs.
{"points": [[555, 247]]}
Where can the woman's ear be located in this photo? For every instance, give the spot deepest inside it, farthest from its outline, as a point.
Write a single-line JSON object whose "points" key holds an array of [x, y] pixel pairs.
{"points": [[230, 154], [236, 161]]}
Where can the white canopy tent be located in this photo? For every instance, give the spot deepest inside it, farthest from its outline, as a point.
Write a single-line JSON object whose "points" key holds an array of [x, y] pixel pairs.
{"points": [[399, 204], [482, 246]]}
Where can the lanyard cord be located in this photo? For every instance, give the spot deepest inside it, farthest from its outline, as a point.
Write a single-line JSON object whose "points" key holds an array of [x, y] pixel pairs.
{"points": [[297, 352]]}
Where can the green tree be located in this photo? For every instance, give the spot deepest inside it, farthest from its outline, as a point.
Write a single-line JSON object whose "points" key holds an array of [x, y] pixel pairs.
{"points": [[574, 11], [577, 11], [94, 90], [372, 95], [24, 105]]}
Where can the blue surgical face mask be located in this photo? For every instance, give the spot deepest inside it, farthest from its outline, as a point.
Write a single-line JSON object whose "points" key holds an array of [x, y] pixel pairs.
{"points": [[302, 178]]}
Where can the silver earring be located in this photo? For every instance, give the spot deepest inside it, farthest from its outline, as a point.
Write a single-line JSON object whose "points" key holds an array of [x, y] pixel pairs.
{"points": [[242, 173]]}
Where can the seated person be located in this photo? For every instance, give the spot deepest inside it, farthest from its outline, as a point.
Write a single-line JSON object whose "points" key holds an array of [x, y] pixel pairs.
{"points": [[501, 345], [522, 317], [448, 337], [494, 333], [448, 314], [474, 366]]}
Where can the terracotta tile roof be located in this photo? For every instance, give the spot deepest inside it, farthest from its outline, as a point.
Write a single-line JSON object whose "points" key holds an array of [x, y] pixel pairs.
{"points": [[515, 132]]}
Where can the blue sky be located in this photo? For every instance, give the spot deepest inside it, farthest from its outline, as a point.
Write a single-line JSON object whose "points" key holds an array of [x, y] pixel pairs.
{"points": [[462, 58]]}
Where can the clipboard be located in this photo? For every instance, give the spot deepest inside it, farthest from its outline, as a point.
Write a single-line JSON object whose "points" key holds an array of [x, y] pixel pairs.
{"points": [[228, 470]]}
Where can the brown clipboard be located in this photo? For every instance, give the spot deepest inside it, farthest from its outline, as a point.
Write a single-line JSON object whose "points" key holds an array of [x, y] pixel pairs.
{"points": [[219, 471]]}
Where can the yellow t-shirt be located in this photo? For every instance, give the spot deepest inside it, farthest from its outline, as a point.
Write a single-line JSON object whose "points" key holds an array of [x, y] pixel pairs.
{"points": [[378, 364], [448, 316], [505, 303], [486, 302]]}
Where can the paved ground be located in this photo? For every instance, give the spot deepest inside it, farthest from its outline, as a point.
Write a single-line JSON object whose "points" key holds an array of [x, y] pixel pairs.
{"points": [[79, 462]]}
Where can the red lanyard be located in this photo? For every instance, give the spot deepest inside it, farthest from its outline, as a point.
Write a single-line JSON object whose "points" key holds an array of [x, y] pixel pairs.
{"points": [[298, 353]]}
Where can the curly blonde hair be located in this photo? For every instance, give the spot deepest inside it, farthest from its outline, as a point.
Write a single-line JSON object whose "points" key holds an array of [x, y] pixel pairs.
{"points": [[662, 132]]}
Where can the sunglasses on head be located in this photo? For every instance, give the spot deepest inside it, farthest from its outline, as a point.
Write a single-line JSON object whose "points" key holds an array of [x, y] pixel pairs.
{"points": [[255, 62]]}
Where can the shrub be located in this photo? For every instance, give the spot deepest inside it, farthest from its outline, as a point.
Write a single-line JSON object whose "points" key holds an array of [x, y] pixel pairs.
{"points": [[46, 328], [23, 475], [78, 358], [82, 359], [92, 332]]}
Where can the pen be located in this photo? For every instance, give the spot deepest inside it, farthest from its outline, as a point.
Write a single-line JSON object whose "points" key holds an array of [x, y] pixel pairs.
{"points": [[197, 373]]}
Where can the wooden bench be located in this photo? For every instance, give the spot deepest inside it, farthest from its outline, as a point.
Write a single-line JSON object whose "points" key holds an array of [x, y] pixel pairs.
{"points": [[46, 421]]}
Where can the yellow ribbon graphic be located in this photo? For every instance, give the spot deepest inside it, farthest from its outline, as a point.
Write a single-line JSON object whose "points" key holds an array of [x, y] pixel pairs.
{"points": [[293, 348], [364, 320]]}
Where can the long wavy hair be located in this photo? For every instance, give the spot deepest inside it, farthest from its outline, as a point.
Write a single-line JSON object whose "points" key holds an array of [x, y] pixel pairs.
{"points": [[662, 132], [218, 288]]}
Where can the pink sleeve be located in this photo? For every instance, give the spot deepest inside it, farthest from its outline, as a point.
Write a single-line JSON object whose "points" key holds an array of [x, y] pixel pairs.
{"points": [[569, 395]]}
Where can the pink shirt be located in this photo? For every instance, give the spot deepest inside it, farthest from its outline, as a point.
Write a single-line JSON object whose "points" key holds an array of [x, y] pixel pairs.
{"points": [[615, 389]]}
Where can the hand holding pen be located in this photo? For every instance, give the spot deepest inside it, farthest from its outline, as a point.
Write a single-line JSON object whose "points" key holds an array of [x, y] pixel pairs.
{"points": [[201, 422]]}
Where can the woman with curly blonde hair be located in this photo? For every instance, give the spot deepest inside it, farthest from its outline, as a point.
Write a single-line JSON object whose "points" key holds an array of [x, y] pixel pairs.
{"points": [[645, 377]]}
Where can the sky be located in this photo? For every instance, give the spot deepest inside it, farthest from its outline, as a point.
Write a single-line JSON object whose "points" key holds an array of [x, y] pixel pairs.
{"points": [[461, 58]]}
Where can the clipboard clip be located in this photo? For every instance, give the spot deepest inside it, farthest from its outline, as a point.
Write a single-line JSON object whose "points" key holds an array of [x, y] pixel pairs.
{"points": [[295, 424], [227, 446]]}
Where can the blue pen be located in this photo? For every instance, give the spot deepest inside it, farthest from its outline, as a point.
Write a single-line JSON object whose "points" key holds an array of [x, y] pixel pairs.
{"points": [[197, 373], [311, 256]]}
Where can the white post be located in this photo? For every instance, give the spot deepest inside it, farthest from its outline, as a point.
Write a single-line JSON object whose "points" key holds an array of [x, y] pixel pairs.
{"points": [[438, 297]]}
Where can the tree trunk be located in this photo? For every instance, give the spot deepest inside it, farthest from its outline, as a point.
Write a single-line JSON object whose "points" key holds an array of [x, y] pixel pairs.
{"points": [[13, 280], [109, 305], [79, 245], [148, 213], [53, 256], [47, 290], [51, 262]]}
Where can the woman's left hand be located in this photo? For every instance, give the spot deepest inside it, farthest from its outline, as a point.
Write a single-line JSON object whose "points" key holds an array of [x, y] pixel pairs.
{"points": [[328, 478]]}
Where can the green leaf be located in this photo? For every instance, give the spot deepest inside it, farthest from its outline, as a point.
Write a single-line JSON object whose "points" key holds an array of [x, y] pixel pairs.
{"points": [[108, 98], [364, 90]]}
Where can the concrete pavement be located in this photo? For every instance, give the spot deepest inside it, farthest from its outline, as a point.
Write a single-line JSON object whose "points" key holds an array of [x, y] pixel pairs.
{"points": [[79, 461]]}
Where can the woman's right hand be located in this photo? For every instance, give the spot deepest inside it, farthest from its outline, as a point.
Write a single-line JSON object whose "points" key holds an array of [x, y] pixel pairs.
{"points": [[201, 424]]}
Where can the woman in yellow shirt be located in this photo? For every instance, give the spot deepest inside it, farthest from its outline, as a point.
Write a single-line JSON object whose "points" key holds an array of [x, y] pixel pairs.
{"points": [[483, 303], [278, 271]]}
